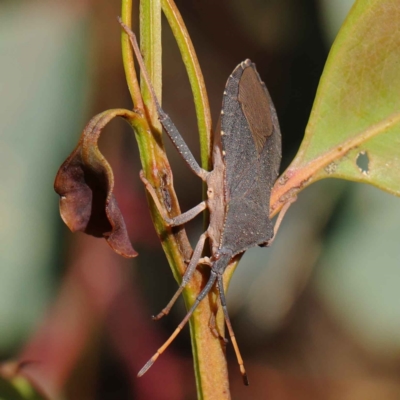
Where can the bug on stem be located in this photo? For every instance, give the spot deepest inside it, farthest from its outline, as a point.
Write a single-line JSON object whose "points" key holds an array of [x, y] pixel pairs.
{"points": [[246, 158]]}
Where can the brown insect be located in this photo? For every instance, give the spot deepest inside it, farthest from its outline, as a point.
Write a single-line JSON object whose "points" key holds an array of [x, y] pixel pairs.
{"points": [[246, 158]]}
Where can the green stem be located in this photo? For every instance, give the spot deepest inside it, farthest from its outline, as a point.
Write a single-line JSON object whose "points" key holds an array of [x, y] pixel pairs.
{"points": [[150, 46], [127, 56], [196, 80], [208, 351], [208, 354], [148, 135]]}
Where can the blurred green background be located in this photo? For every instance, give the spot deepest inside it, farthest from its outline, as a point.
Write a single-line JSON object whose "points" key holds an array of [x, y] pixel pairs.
{"points": [[317, 316]]}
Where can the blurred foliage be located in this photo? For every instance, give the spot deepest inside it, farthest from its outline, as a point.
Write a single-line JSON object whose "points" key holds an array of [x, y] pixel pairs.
{"points": [[358, 274], [43, 85], [18, 389]]}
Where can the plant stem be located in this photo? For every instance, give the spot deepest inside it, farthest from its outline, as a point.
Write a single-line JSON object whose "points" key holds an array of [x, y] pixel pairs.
{"points": [[127, 56], [150, 46], [208, 351], [196, 79]]}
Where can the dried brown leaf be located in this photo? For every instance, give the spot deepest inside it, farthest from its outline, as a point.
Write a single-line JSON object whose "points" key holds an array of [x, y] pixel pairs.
{"points": [[85, 183]]}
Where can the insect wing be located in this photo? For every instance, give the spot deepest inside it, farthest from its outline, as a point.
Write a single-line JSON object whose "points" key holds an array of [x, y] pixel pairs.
{"points": [[251, 143]]}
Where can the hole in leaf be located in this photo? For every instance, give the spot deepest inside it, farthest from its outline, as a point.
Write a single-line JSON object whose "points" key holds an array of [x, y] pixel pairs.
{"points": [[362, 162]]}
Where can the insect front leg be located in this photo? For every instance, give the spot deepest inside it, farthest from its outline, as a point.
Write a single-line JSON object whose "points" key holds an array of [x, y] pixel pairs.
{"points": [[165, 120], [187, 276], [178, 220]]}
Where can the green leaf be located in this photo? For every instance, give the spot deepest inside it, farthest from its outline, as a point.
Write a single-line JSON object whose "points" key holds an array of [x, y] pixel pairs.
{"points": [[354, 128]]}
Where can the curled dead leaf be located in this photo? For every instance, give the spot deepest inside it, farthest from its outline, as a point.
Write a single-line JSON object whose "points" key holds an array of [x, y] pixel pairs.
{"points": [[85, 183]]}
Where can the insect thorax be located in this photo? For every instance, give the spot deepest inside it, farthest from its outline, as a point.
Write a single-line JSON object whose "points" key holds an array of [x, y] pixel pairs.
{"points": [[216, 199]]}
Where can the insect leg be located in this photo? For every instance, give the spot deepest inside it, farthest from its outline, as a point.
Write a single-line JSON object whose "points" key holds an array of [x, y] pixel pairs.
{"points": [[165, 120], [214, 310], [200, 297], [212, 325], [178, 220], [186, 277], [230, 329]]}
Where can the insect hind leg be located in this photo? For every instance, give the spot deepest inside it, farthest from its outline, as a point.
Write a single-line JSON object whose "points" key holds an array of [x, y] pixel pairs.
{"points": [[200, 297], [186, 277], [230, 329]]}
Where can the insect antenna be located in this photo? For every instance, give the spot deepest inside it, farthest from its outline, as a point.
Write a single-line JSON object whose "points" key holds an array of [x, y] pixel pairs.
{"points": [[203, 293], [134, 43], [165, 120], [230, 330]]}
